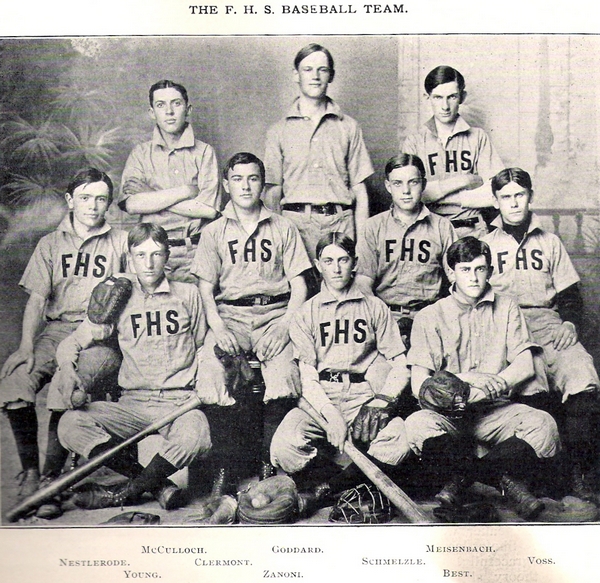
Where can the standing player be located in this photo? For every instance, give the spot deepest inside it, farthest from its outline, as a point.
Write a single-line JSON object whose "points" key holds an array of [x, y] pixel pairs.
{"points": [[60, 276], [401, 256], [316, 158], [159, 331], [338, 334], [482, 338], [533, 266], [173, 180], [458, 158], [250, 263]]}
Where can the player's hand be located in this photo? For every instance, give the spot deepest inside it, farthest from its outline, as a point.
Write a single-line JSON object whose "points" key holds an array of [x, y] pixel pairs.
{"points": [[135, 185], [471, 181], [273, 341], [371, 419], [337, 429], [192, 191], [226, 340], [67, 380], [566, 336], [17, 358], [493, 385]]}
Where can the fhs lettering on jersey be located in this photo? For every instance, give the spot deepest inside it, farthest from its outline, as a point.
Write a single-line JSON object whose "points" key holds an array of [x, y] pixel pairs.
{"points": [[153, 322], [407, 250], [81, 265], [342, 333], [250, 251], [452, 163], [523, 260]]}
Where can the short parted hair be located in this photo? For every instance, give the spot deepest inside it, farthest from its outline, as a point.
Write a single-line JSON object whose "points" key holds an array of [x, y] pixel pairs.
{"points": [[309, 50], [337, 238], [144, 231], [244, 158], [403, 160], [443, 74], [507, 175], [466, 250], [89, 176], [166, 84]]}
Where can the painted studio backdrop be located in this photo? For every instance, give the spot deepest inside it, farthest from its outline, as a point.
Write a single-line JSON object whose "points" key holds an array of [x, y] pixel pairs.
{"points": [[68, 103]]}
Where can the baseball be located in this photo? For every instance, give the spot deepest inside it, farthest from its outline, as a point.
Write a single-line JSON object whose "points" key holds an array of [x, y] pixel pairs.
{"points": [[260, 501]]}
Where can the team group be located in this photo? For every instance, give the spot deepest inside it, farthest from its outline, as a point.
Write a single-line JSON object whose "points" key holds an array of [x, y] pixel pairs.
{"points": [[358, 316]]}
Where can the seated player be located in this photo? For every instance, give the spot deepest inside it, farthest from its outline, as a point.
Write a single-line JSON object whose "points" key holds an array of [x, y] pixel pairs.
{"points": [[482, 338], [64, 269], [249, 263], [458, 158], [337, 335], [159, 331], [173, 180], [533, 266], [401, 256]]}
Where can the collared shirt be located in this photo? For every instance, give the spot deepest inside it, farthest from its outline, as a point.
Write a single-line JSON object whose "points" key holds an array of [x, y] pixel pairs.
{"points": [[455, 336], [533, 271], [318, 164], [65, 269], [243, 264], [158, 334], [405, 261], [344, 335], [190, 162], [467, 150]]}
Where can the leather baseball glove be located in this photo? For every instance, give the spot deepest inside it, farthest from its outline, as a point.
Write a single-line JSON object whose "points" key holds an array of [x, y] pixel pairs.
{"points": [[108, 300], [272, 501], [445, 393]]}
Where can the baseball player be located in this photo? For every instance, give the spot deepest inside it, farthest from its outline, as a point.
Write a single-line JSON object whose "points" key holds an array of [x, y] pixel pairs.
{"points": [[173, 180], [337, 335], [482, 338], [250, 264], [458, 158], [64, 268], [532, 265], [401, 256], [316, 158], [159, 331]]}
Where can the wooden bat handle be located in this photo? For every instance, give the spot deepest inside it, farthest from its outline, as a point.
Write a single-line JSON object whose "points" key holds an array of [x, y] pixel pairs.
{"points": [[395, 494], [67, 480]]}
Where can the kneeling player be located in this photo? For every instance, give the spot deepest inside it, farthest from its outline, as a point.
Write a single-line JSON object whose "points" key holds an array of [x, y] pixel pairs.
{"points": [[482, 338], [337, 335], [159, 331], [533, 266]]}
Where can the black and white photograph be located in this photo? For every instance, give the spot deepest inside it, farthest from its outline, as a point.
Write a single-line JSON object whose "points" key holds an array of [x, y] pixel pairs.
{"points": [[300, 281]]}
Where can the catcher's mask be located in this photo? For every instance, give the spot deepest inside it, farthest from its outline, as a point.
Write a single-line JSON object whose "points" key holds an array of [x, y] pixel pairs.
{"points": [[364, 504]]}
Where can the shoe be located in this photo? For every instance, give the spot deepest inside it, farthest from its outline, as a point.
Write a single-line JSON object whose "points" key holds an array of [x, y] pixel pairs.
{"points": [[266, 471], [526, 504], [51, 508], [579, 488], [29, 482], [223, 484], [94, 496], [170, 496], [451, 494], [313, 500]]}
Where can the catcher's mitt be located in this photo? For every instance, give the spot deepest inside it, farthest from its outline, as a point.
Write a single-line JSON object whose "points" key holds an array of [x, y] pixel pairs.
{"points": [[445, 393], [272, 501], [364, 504], [108, 300]]}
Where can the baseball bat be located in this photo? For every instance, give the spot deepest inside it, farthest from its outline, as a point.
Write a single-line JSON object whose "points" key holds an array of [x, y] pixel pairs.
{"points": [[67, 480], [395, 494]]}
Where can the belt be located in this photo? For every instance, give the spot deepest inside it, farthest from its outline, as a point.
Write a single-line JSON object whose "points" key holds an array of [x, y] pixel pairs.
{"points": [[413, 306], [337, 376], [331, 208], [458, 223], [257, 300], [193, 240]]}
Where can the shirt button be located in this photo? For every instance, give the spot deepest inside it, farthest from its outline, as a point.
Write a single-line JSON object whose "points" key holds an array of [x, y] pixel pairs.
{"points": [[306, 118], [316, 164], [175, 171]]}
